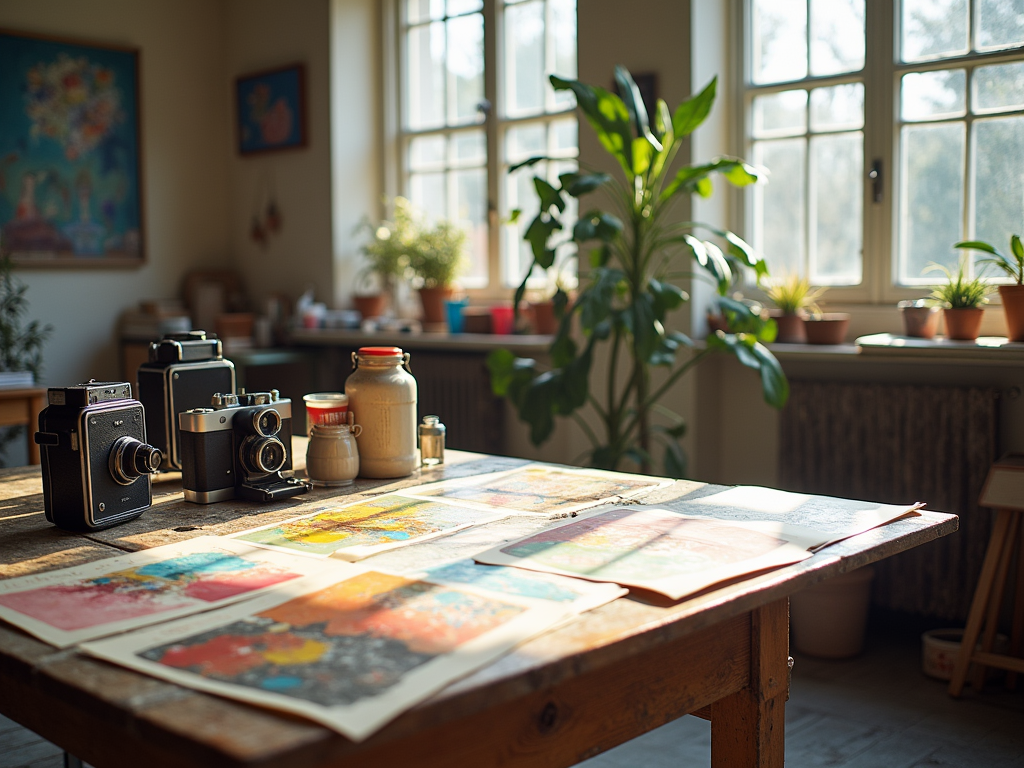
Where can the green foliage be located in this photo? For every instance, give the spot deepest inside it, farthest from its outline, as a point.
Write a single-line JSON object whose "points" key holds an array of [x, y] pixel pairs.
{"points": [[1012, 265], [437, 256], [960, 291], [393, 240], [793, 293], [626, 297]]}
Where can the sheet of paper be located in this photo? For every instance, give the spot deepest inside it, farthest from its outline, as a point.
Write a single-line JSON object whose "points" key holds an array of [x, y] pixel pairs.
{"points": [[350, 654], [648, 548], [121, 593], [830, 519], [365, 527], [543, 490]]}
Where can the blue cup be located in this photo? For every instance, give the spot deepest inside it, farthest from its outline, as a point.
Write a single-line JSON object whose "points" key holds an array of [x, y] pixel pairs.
{"points": [[454, 310]]}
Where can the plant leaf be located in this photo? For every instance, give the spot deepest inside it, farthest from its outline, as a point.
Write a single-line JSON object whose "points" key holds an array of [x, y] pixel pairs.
{"points": [[526, 163], [694, 111], [606, 114], [537, 234], [548, 195], [746, 348], [578, 184]]}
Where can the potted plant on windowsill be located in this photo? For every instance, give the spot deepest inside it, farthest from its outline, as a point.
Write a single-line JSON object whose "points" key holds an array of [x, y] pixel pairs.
{"points": [[1012, 296], [436, 260], [794, 298], [387, 257], [961, 297]]}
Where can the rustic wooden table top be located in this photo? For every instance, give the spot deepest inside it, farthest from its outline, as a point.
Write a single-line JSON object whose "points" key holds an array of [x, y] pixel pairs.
{"points": [[120, 717]]}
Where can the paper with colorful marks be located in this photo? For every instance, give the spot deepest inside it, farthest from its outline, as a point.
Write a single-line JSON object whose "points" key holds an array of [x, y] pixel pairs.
{"points": [[367, 526], [651, 549], [541, 489], [70, 605], [349, 654]]}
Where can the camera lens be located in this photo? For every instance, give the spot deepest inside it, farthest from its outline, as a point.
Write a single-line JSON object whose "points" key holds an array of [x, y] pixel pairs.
{"points": [[130, 459], [266, 422], [263, 454]]}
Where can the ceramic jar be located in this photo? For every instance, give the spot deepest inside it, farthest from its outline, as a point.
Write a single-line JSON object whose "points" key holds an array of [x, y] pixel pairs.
{"points": [[382, 396], [332, 456]]}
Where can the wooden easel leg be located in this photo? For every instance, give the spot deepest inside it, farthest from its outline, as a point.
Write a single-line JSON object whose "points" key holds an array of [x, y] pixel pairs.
{"points": [[980, 601], [748, 728], [1017, 634], [995, 602]]}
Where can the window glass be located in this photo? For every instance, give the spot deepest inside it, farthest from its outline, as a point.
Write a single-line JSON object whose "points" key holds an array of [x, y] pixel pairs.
{"points": [[933, 28], [779, 32], [837, 36]]}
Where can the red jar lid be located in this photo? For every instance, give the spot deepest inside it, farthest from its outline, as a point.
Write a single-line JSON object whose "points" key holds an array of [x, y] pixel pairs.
{"points": [[380, 351]]}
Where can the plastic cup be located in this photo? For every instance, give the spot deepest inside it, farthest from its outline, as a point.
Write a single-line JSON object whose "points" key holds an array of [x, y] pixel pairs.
{"points": [[325, 409], [454, 310], [502, 320]]}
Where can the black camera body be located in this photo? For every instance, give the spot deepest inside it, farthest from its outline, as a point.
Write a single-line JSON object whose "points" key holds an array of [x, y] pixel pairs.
{"points": [[238, 449], [97, 465], [183, 371]]}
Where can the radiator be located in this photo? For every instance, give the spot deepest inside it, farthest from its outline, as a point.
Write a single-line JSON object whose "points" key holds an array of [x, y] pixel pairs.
{"points": [[900, 444]]}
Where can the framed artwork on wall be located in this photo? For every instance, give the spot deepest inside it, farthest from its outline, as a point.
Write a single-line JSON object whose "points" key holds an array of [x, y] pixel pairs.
{"points": [[70, 153], [270, 109]]}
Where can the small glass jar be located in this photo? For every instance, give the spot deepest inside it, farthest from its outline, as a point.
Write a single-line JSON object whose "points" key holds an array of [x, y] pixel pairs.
{"points": [[431, 441], [332, 456]]}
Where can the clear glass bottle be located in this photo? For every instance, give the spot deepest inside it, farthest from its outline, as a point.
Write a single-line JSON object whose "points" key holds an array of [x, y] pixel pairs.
{"points": [[382, 397], [432, 441]]}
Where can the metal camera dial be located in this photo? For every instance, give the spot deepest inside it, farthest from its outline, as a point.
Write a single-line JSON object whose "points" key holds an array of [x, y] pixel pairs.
{"points": [[130, 459], [266, 422]]}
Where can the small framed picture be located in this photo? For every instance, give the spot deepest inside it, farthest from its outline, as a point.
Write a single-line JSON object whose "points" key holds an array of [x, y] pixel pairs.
{"points": [[271, 110]]}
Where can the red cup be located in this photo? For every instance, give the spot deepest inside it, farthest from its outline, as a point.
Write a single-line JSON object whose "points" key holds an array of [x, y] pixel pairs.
{"points": [[326, 409], [502, 320]]}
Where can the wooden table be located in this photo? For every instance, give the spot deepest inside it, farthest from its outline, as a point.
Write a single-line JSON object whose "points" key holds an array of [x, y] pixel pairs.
{"points": [[21, 407], [617, 672]]}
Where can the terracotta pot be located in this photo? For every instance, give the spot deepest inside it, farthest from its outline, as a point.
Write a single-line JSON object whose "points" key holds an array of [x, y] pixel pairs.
{"points": [[544, 321], [963, 324], [1013, 310], [829, 328], [433, 300], [791, 328], [920, 322], [717, 323], [372, 305]]}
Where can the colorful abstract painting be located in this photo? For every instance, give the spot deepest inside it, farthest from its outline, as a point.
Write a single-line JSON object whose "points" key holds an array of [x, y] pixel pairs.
{"points": [[351, 654], [540, 489], [648, 548], [71, 605], [362, 528], [271, 110], [70, 188]]}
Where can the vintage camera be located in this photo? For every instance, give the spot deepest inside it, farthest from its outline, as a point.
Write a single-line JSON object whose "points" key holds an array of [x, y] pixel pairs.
{"points": [[238, 448], [96, 462], [183, 371]]}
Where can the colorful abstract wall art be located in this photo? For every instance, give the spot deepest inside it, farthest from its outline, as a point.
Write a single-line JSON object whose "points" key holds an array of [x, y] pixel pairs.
{"points": [[271, 110], [70, 605], [363, 528], [70, 176], [649, 548], [350, 654], [545, 490]]}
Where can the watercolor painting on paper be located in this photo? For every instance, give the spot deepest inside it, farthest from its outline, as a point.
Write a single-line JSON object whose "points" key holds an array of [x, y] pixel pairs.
{"points": [[648, 548], [544, 490], [363, 528], [350, 654], [75, 604]]}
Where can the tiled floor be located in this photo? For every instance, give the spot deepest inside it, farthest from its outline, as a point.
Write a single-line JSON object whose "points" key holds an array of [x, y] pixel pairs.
{"points": [[875, 711]]}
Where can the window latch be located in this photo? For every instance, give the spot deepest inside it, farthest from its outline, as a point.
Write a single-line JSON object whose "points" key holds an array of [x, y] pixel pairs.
{"points": [[875, 174]]}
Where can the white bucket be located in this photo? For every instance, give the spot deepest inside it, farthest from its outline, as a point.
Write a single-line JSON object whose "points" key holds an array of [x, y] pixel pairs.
{"points": [[828, 620], [941, 647]]}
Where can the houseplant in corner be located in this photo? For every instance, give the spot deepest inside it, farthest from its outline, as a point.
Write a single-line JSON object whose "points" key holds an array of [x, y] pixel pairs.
{"points": [[961, 297], [387, 257], [1012, 296], [625, 298], [436, 259]]}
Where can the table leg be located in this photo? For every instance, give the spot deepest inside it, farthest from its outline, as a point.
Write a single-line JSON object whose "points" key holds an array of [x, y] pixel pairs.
{"points": [[748, 728], [995, 600]]}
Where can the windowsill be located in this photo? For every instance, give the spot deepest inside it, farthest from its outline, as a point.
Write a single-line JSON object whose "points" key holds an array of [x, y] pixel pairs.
{"points": [[453, 342], [886, 347]]}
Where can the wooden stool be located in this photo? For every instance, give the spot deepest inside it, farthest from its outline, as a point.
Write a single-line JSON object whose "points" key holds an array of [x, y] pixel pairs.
{"points": [[1003, 491], [22, 406]]}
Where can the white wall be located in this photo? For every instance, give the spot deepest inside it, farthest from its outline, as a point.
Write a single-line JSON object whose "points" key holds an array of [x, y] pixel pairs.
{"points": [[184, 120]]}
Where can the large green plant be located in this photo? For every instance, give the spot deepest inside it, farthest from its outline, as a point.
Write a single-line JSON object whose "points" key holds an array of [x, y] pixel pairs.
{"points": [[626, 297]]}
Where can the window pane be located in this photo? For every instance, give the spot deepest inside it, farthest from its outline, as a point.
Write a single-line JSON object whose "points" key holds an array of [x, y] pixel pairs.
{"points": [[519, 193], [525, 57], [425, 77], [471, 214], [466, 67], [424, 10], [931, 199], [782, 113], [779, 205], [427, 153], [468, 148], [836, 108], [565, 136], [998, 180], [1000, 23], [563, 40], [933, 28], [455, 7], [999, 87], [428, 192], [837, 164], [931, 95], [837, 36], [780, 40], [523, 142]]}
